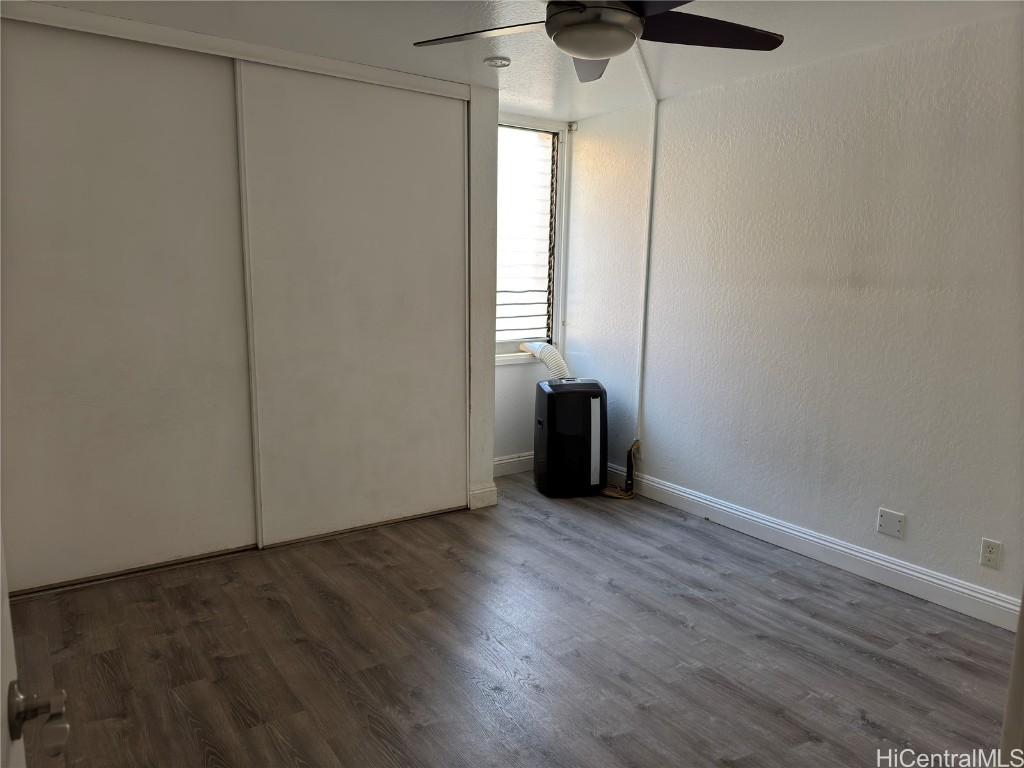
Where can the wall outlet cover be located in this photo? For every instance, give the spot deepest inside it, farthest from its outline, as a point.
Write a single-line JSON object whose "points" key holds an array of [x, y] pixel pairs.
{"points": [[891, 523], [990, 552]]}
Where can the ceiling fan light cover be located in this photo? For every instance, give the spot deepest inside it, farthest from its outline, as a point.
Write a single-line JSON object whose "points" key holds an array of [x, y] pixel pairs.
{"points": [[594, 40]]}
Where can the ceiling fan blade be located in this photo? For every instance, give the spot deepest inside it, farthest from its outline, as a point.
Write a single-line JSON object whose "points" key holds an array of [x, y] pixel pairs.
{"points": [[514, 29], [654, 7], [687, 29], [589, 70]]}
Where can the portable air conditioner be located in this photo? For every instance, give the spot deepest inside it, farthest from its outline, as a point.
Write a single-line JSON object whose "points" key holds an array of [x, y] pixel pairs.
{"points": [[570, 438]]}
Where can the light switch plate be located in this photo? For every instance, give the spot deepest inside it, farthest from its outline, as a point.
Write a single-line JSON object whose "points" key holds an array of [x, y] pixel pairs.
{"points": [[891, 523]]}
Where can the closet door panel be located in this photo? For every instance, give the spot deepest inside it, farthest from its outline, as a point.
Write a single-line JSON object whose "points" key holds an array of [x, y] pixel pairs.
{"points": [[356, 206], [126, 424]]}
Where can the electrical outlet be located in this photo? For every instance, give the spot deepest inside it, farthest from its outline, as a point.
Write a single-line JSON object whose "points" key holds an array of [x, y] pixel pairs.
{"points": [[990, 551], [891, 523]]}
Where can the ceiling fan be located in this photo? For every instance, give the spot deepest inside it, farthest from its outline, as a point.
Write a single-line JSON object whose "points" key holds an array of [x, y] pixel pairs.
{"points": [[592, 31]]}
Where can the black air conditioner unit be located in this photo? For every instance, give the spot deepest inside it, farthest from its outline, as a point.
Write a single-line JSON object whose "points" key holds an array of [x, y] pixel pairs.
{"points": [[570, 438]]}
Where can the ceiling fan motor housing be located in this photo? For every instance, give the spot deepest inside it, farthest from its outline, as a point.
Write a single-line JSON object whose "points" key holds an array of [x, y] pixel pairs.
{"points": [[593, 30]]}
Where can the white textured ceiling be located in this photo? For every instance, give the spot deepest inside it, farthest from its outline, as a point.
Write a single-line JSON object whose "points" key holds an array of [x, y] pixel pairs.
{"points": [[813, 31], [541, 80]]}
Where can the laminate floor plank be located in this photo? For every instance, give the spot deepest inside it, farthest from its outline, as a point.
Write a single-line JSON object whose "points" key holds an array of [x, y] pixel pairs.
{"points": [[557, 633], [292, 742], [205, 726]]}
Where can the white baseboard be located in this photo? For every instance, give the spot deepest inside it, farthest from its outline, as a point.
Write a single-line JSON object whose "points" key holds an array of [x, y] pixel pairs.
{"points": [[485, 495], [509, 465], [962, 596]]}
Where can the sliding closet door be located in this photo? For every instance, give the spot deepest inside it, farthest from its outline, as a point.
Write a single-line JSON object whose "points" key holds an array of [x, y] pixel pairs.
{"points": [[126, 436], [356, 221]]}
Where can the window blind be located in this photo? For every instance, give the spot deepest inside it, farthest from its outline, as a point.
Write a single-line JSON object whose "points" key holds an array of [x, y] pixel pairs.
{"points": [[527, 163]]}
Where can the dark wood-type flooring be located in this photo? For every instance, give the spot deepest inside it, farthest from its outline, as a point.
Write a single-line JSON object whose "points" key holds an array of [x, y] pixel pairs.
{"points": [[539, 633]]}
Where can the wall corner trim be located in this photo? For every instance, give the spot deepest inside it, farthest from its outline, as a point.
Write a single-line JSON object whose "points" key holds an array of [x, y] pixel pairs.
{"points": [[482, 266], [964, 597], [483, 496]]}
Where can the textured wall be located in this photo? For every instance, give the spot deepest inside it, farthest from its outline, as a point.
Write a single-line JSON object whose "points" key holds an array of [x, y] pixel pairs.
{"points": [[607, 241], [836, 308]]}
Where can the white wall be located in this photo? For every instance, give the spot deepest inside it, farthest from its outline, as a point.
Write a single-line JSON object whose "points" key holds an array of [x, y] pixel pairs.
{"points": [[608, 200], [836, 316], [514, 392]]}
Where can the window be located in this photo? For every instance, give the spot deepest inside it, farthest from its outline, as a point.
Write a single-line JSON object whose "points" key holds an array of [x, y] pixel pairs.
{"points": [[527, 206]]}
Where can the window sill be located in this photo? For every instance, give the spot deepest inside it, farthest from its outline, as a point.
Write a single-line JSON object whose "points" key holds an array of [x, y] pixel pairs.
{"points": [[515, 358]]}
